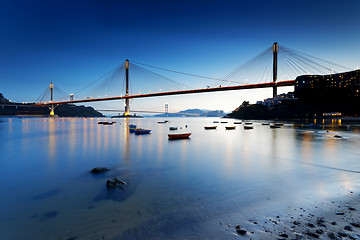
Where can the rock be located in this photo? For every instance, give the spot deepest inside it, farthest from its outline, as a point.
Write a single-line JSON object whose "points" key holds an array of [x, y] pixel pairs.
{"points": [[333, 223], [342, 234], [319, 231], [310, 225], [320, 221], [349, 228], [352, 209], [115, 183], [337, 136], [331, 235], [352, 236], [240, 230], [311, 234], [356, 224], [284, 235], [296, 222], [340, 213], [98, 170]]}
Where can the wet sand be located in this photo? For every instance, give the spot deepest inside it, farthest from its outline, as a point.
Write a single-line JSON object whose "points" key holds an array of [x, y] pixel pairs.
{"points": [[329, 219]]}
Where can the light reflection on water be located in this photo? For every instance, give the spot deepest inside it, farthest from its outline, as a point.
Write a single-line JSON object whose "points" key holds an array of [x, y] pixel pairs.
{"points": [[176, 186]]}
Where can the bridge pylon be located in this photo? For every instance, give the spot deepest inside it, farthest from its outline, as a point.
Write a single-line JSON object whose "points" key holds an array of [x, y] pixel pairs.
{"points": [[127, 104], [52, 107], [275, 51]]}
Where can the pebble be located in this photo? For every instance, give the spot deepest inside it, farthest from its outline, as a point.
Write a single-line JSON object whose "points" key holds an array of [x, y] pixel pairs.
{"points": [[331, 235], [352, 209], [349, 228], [333, 223], [311, 234], [319, 231], [340, 213], [356, 224], [342, 234], [310, 225], [284, 235], [240, 230]]}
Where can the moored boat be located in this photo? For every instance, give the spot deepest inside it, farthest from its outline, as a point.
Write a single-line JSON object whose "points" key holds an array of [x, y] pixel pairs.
{"points": [[265, 124], [248, 127], [230, 127], [210, 127], [248, 123], [215, 121], [139, 131], [223, 122], [173, 128], [279, 124], [174, 136], [237, 122], [165, 121], [132, 128], [106, 123], [275, 126], [298, 125]]}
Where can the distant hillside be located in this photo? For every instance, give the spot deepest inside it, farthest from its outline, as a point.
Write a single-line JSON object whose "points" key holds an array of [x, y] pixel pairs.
{"points": [[194, 113], [2, 99], [64, 110]]}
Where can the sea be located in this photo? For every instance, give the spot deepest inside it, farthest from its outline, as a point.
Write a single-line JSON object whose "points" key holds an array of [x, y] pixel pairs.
{"points": [[196, 188]]}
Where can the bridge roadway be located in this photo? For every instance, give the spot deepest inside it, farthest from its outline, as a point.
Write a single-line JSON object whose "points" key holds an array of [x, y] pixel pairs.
{"points": [[217, 89]]}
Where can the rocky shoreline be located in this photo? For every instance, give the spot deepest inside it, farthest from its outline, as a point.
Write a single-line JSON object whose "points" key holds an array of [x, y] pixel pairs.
{"points": [[329, 219]]}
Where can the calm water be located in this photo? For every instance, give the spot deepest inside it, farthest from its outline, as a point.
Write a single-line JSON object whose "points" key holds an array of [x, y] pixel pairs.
{"points": [[185, 189]]}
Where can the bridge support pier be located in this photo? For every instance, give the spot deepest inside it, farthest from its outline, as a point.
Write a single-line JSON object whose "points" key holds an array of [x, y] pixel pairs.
{"points": [[127, 104], [275, 51]]}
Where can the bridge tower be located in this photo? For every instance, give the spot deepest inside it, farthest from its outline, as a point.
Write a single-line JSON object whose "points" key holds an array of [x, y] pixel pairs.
{"points": [[127, 104], [275, 51], [52, 107], [166, 109]]}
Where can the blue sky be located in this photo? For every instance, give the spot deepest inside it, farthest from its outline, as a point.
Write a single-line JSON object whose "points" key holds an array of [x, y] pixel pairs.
{"points": [[73, 43]]}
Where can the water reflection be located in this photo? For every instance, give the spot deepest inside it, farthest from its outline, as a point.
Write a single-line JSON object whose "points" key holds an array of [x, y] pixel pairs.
{"points": [[214, 173]]}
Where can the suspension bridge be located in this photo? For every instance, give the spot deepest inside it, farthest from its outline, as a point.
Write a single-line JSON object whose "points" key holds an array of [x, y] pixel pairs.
{"points": [[261, 71]]}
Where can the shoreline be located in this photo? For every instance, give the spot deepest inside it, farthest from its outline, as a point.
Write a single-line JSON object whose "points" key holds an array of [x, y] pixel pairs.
{"points": [[328, 219]]}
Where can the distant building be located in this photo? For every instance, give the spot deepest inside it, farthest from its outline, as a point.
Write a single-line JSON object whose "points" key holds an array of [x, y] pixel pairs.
{"points": [[270, 102], [344, 85]]}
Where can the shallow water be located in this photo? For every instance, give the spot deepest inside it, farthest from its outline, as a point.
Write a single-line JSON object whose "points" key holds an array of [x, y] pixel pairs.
{"points": [[184, 189]]}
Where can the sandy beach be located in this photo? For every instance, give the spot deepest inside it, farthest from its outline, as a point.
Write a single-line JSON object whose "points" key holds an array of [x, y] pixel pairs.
{"points": [[328, 219]]}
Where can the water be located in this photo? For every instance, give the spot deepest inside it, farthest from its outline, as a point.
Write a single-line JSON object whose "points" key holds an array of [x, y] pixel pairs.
{"points": [[184, 189]]}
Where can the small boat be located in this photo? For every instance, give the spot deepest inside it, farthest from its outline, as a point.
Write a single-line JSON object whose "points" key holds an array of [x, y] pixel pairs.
{"points": [[215, 121], [344, 126], [166, 121], [265, 124], [174, 136], [298, 125], [139, 131], [275, 126], [237, 122], [279, 124], [248, 127], [106, 123], [248, 123], [132, 128], [173, 128], [230, 127], [223, 122], [210, 127]]}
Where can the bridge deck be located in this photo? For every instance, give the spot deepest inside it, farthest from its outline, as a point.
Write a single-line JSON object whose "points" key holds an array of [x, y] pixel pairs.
{"points": [[217, 89]]}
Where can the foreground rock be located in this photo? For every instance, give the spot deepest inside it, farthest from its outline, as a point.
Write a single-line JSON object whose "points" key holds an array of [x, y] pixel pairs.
{"points": [[98, 170], [115, 183]]}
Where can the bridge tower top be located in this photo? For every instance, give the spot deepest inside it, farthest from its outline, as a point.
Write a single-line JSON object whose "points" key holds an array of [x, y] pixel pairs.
{"points": [[275, 51], [127, 104]]}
